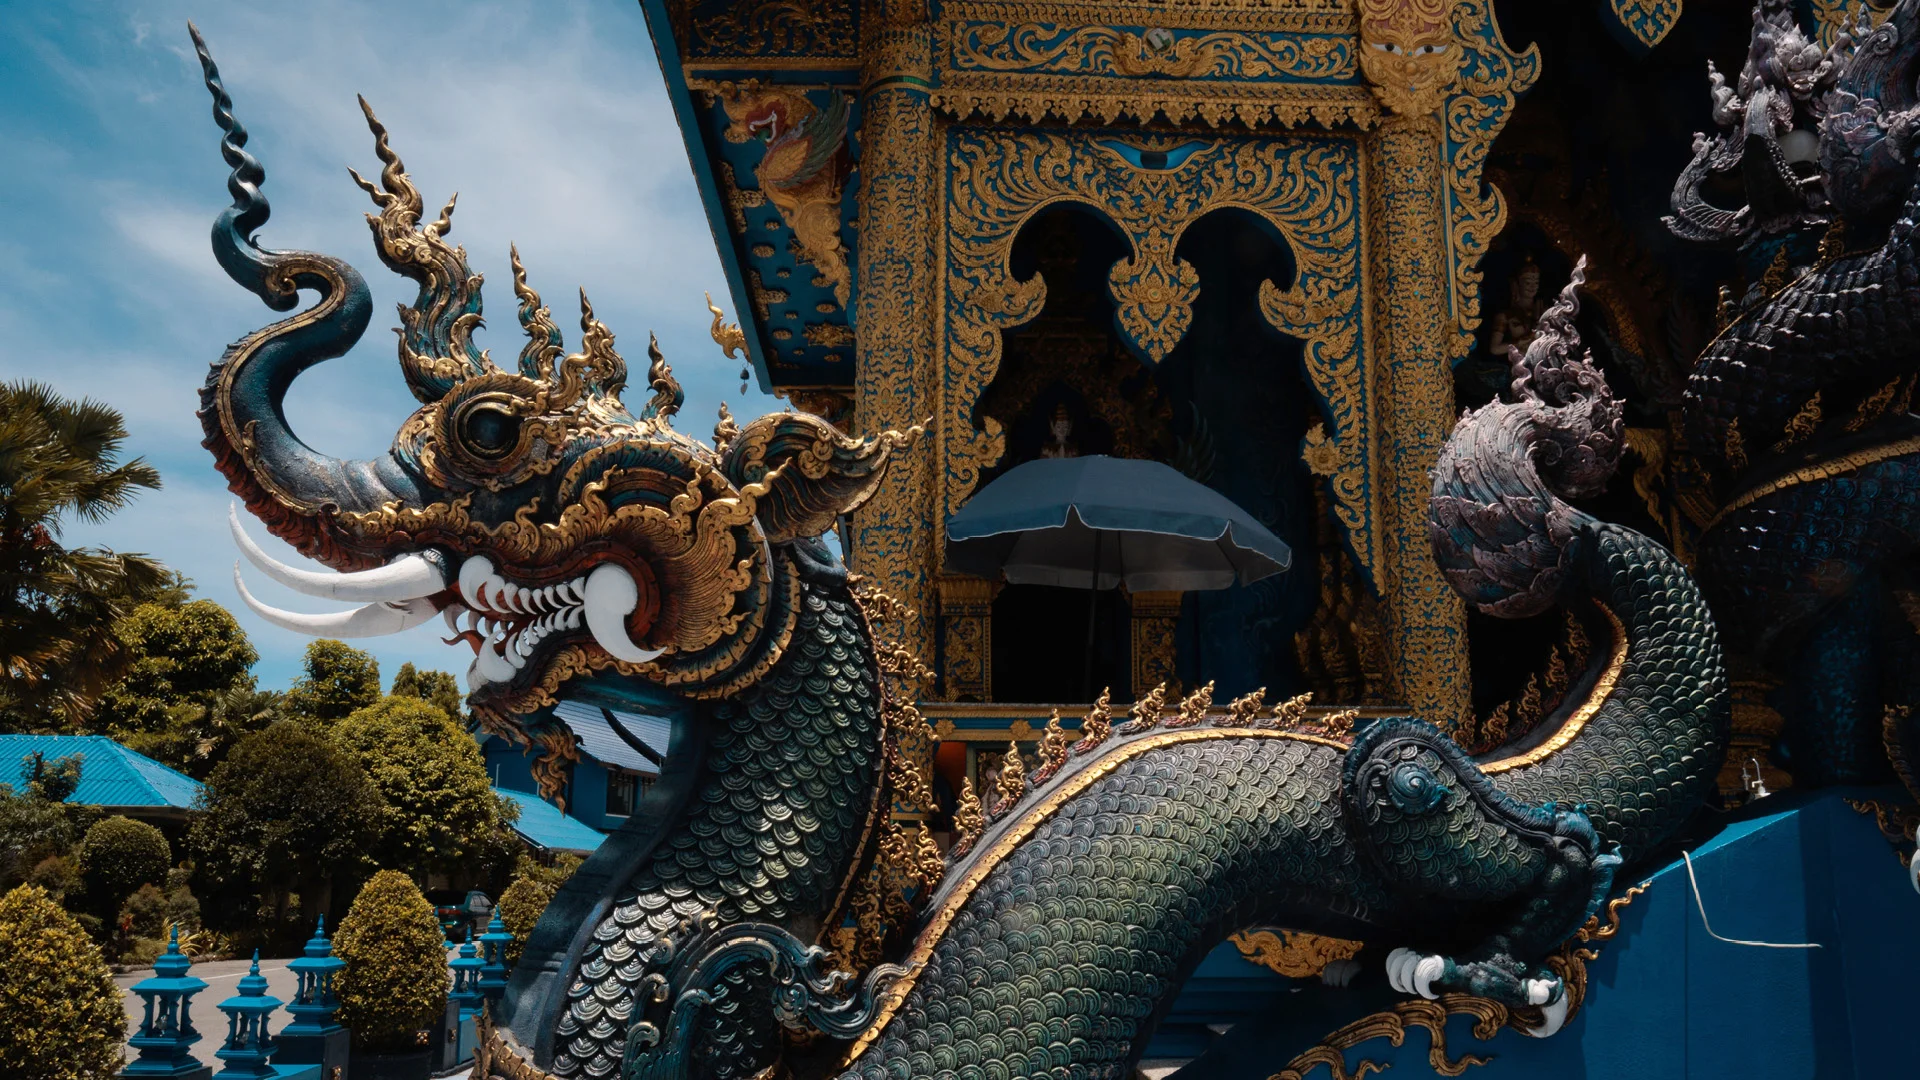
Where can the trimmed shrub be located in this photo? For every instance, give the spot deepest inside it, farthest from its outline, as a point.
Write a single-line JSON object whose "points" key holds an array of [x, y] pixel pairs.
{"points": [[57, 874], [60, 1014], [118, 856], [395, 981], [145, 912], [521, 905]]}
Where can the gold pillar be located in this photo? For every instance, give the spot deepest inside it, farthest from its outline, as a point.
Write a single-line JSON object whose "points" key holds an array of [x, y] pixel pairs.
{"points": [[966, 637], [896, 369], [1427, 638], [1155, 615]]}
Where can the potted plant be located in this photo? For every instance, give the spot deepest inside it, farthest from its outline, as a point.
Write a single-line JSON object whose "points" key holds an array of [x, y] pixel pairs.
{"points": [[393, 989]]}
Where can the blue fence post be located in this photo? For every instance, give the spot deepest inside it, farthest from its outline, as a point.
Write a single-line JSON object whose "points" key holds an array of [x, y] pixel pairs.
{"points": [[166, 1036], [248, 1046], [313, 1036], [493, 973]]}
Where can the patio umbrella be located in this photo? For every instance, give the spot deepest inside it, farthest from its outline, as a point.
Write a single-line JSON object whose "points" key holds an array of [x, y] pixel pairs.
{"points": [[1097, 522]]}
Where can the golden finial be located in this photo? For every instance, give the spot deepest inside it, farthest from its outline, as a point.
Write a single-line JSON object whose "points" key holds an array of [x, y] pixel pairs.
{"points": [[1802, 425], [1053, 749], [1193, 707], [725, 431], [1293, 710], [1833, 244], [731, 339], [1146, 712], [1777, 273], [968, 819], [667, 395], [1098, 726], [1736, 446], [1244, 711], [1013, 780], [926, 863], [1340, 724]]}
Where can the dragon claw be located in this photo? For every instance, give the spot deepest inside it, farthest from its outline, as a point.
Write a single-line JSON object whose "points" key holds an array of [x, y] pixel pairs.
{"points": [[1340, 972], [1555, 1011], [1415, 973]]}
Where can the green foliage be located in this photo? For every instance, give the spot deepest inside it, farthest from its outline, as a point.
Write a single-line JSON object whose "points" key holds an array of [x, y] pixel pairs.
{"points": [[339, 679], [440, 813], [433, 687], [60, 1014], [521, 905], [286, 809], [187, 695], [34, 825], [118, 856], [145, 912], [395, 981], [53, 780], [59, 875], [60, 461]]}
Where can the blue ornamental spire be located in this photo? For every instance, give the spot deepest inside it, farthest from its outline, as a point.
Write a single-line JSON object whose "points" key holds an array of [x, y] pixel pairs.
{"points": [[248, 1046], [467, 972], [493, 974], [313, 1036], [166, 1035]]}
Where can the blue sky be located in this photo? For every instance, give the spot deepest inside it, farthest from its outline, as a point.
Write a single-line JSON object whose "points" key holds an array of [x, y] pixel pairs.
{"points": [[549, 119]]}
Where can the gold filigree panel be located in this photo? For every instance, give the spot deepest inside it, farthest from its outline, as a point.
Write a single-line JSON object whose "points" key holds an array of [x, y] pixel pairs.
{"points": [[1284, 63], [1308, 188]]}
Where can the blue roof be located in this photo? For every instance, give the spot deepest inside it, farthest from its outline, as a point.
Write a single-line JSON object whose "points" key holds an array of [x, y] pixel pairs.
{"points": [[110, 774], [600, 742], [543, 825]]}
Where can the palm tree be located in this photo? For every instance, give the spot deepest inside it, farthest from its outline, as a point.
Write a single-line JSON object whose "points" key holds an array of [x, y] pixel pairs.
{"points": [[60, 461]]}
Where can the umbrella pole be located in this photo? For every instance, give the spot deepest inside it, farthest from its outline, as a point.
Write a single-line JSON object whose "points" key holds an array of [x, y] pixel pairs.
{"points": [[1093, 611]]}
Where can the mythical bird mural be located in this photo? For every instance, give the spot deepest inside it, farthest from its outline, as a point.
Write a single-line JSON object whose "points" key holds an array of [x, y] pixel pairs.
{"points": [[588, 550]]}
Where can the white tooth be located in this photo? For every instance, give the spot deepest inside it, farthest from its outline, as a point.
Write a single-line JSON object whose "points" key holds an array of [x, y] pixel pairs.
{"points": [[496, 590], [524, 643], [475, 680], [570, 591], [573, 623], [511, 650], [494, 666], [407, 577], [475, 574], [472, 619], [371, 620], [451, 616], [546, 596], [611, 596]]}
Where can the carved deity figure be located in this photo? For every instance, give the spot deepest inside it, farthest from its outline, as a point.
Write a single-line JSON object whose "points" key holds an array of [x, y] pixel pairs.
{"points": [[1409, 53], [1512, 330], [1061, 427]]}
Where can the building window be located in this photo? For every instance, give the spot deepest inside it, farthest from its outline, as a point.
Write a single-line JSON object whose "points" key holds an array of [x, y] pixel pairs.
{"points": [[623, 789]]}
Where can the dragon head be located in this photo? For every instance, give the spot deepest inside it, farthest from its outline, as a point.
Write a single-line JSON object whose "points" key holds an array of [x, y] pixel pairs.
{"points": [[559, 533], [1810, 135]]}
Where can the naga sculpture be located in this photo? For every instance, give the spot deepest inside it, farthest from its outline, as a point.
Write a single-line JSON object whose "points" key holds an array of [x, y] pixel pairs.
{"points": [[1798, 409], [585, 550]]}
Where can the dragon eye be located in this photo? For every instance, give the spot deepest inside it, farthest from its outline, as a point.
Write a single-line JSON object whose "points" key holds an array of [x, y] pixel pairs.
{"points": [[490, 431]]}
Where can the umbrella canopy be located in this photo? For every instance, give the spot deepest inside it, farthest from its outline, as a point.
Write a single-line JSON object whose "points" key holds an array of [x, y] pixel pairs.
{"points": [[1057, 521]]}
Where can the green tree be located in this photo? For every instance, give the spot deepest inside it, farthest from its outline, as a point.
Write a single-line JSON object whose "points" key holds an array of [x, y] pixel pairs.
{"points": [[433, 687], [35, 825], [286, 811], [187, 694], [440, 812], [339, 679], [60, 461], [395, 980], [117, 856], [60, 1014]]}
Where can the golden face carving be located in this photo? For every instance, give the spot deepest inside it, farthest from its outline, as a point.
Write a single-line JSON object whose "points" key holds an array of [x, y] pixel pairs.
{"points": [[1409, 53]]}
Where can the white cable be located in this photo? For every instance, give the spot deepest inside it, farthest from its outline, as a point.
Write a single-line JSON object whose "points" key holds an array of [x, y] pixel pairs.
{"points": [[1735, 941]]}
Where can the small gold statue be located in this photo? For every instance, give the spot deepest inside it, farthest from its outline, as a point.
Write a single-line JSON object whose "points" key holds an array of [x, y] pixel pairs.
{"points": [[1062, 445]]}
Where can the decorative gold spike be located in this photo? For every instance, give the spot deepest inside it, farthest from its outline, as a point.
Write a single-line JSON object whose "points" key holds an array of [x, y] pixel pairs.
{"points": [[1494, 731], [1244, 711], [1292, 711], [968, 819], [1340, 724], [729, 336], [667, 395], [1725, 312], [1053, 749], [1098, 726], [1193, 708], [1147, 711], [725, 431], [1875, 405], [1802, 425], [603, 369], [1833, 244], [544, 343], [1013, 781]]}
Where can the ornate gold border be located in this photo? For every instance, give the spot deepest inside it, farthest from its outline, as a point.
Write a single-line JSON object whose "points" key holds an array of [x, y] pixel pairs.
{"points": [[1572, 726]]}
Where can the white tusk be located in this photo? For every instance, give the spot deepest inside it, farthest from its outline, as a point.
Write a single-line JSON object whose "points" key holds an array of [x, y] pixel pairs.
{"points": [[611, 596], [1555, 1016], [408, 577], [372, 620], [492, 666]]}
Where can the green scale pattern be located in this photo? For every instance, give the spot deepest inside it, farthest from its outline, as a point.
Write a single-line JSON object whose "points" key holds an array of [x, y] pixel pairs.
{"points": [[768, 836]]}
